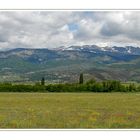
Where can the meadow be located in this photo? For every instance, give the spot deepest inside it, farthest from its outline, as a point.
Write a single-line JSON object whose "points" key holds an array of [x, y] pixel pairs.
{"points": [[70, 110]]}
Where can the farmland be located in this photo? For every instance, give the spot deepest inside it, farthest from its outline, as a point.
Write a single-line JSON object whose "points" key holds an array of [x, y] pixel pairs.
{"points": [[70, 110]]}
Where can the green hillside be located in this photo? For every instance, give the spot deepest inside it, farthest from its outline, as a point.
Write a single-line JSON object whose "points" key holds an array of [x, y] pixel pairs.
{"points": [[29, 65]]}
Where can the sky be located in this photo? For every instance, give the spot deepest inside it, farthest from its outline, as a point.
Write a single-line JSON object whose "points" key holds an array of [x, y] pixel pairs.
{"points": [[52, 29]]}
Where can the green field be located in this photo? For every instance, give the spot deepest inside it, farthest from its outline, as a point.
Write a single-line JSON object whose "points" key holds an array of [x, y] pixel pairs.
{"points": [[69, 110]]}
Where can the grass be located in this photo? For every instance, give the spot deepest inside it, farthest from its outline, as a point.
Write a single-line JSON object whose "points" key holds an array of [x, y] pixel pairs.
{"points": [[69, 110]]}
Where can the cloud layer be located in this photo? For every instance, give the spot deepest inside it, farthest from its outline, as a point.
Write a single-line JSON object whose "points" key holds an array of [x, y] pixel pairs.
{"points": [[50, 29]]}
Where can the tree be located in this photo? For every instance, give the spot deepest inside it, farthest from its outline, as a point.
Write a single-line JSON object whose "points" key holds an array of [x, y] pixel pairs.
{"points": [[43, 81], [132, 87], [81, 79]]}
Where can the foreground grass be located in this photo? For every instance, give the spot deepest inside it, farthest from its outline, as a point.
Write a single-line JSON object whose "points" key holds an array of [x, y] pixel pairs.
{"points": [[69, 110]]}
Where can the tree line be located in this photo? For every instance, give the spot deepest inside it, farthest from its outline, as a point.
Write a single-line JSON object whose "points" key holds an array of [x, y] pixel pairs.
{"points": [[81, 86]]}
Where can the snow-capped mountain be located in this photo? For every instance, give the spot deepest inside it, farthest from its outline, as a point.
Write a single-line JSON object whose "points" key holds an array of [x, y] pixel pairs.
{"points": [[96, 49], [64, 63]]}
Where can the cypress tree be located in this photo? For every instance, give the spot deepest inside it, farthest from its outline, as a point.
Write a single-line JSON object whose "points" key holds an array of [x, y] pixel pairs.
{"points": [[81, 79], [43, 81]]}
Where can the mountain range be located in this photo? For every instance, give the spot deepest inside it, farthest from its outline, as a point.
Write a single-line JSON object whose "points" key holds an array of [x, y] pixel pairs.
{"points": [[64, 64]]}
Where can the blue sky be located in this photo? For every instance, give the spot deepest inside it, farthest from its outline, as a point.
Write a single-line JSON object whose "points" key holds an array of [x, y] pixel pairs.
{"points": [[51, 29], [73, 27]]}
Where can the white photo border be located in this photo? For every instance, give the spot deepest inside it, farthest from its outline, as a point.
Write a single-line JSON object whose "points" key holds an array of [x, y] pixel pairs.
{"points": [[69, 134]]}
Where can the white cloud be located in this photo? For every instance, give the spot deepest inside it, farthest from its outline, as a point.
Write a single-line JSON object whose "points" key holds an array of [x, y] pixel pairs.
{"points": [[47, 29]]}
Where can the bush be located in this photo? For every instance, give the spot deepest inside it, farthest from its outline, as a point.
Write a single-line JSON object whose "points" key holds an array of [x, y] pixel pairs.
{"points": [[92, 86]]}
